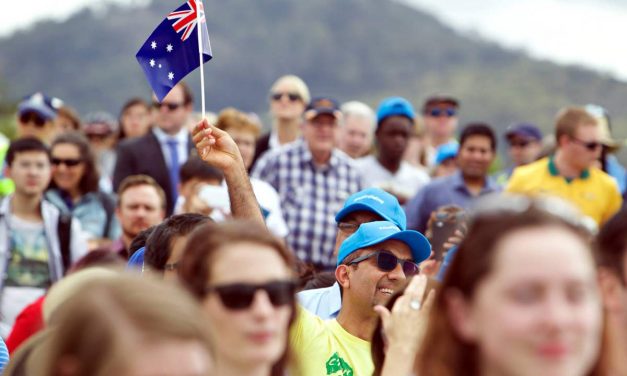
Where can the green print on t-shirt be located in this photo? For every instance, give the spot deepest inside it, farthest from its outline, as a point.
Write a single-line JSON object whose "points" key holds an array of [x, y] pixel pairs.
{"points": [[337, 366]]}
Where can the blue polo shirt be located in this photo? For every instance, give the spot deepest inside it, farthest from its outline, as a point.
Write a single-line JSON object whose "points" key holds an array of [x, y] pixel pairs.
{"points": [[324, 303], [449, 190]]}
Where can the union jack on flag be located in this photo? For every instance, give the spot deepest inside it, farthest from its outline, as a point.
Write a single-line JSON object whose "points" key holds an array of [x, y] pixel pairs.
{"points": [[186, 19], [166, 56]]}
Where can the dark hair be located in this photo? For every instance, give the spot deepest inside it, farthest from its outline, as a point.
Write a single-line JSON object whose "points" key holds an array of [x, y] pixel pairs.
{"points": [[188, 96], [200, 252], [139, 240], [91, 177], [478, 129], [23, 145], [611, 244], [98, 257], [130, 103], [159, 243], [196, 168], [320, 280], [138, 180], [443, 352]]}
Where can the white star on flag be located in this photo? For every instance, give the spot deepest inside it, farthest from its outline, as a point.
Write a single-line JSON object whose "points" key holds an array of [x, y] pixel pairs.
{"points": [[159, 65], [169, 48], [170, 76], [152, 62], [153, 44]]}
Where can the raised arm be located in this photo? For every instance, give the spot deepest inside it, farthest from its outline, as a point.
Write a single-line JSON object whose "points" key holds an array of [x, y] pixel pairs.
{"points": [[219, 150]]}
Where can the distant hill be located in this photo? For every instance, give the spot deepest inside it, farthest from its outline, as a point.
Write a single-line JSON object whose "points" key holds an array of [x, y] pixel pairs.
{"points": [[351, 49]]}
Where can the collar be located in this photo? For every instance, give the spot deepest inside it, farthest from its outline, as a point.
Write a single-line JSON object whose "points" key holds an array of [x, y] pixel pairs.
{"points": [[458, 183], [273, 141], [335, 300], [555, 172], [163, 137], [307, 157]]}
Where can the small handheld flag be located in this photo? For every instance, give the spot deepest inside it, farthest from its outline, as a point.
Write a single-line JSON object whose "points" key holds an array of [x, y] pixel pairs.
{"points": [[172, 50]]}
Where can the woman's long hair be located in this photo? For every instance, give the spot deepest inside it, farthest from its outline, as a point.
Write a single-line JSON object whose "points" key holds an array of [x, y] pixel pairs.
{"points": [[89, 180]]}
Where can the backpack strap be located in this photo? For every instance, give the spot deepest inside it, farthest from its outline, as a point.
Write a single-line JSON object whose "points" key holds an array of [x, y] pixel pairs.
{"points": [[64, 231], [109, 206]]}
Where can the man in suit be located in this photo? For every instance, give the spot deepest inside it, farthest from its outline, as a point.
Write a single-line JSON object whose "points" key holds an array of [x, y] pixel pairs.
{"points": [[165, 148]]}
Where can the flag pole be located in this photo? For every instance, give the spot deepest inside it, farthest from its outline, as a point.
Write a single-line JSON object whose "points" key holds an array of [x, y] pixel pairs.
{"points": [[202, 72]]}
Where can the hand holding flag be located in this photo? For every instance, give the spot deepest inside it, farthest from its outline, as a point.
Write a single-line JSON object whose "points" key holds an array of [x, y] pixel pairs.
{"points": [[172, 50]]}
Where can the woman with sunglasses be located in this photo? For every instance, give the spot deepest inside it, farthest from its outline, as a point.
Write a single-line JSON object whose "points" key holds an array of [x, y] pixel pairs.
{"points": [[244, 278], [289, 96], [519, 298], [74, 187]]}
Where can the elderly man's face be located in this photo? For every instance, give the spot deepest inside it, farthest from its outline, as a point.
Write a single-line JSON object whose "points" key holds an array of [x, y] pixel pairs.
{"points": [[321, 133], [355, 136]]}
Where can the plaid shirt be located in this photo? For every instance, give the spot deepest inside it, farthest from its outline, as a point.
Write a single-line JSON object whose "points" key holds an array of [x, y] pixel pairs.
{"points": [[310, 196]]}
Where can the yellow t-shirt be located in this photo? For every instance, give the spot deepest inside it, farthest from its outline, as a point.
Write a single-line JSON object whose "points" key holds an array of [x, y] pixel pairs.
{"points": [[324, 348], [595, 193]]}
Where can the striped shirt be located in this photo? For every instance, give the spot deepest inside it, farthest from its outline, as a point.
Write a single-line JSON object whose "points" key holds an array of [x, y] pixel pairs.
{"points": [[310, 195]]}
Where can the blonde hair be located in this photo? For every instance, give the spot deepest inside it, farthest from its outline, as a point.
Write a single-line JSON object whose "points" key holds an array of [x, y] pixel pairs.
{"points": [[232, 119], [100, 329], [569, 119], [297, 83]]}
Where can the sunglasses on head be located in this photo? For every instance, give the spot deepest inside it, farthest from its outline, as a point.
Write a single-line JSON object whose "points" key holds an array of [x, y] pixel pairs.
{"points": [[293, 97], [66, 161], [592, 145], [437, 112], [169, 106], [387, 261], [238, 296], [31, 117]]}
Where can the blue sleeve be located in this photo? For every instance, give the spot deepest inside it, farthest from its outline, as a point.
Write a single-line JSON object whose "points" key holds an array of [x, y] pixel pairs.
{"points": [[415, 212], [4, 355]]}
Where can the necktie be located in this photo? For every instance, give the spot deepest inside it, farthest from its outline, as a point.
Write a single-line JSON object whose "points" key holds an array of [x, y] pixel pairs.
{"points": [[174, 167]]}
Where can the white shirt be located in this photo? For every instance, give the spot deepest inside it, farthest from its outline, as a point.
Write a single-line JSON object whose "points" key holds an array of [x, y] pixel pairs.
{"points": [[406, 181], [182, 138]]}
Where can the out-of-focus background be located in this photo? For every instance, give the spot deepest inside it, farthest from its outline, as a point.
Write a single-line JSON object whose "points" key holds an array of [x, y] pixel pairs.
{"points": [[507, 60]]}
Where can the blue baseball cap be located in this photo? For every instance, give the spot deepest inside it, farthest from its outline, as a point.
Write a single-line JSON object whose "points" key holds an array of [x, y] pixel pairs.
{"points": [[41, 105], [446, 151], [395, 106], [525, 130], [373, 233], [375, 200]]}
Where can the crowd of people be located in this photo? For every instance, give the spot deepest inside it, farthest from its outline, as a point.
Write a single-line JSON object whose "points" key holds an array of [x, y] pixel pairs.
{"points": [[346, 240]]}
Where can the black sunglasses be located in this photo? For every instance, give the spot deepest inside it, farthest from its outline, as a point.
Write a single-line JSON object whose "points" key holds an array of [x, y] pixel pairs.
{"points": [[170, 106], [293, 97], [386, 261], [68, 162], [519, 143], [29, 117], [592, 145], [436, 112], [239, 296]]}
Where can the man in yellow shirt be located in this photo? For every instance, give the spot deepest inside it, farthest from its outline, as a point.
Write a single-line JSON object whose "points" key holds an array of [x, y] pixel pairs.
{"points": [[570, 172], [372, 264]]}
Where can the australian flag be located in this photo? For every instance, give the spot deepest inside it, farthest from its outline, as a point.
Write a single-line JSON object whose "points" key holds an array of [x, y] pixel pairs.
{"points": [[171, 51]]}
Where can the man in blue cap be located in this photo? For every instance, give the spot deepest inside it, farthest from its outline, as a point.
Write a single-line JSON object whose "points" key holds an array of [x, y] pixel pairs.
{"points": [[525, 145], [368, 205], [388, 170], [372, 264]]}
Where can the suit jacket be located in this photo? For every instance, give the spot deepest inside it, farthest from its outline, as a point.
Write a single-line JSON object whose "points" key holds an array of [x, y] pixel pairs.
{"points": [[143, 155]]}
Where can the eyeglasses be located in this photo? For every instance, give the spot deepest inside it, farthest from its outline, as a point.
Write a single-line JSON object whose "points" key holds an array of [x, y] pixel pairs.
{"points": [[293, 97], [31, 117], [437, 112], [347, 227], [387, 261], [239, 296], [591, 145], [66, 161], [169, 106], [519, 143]]}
